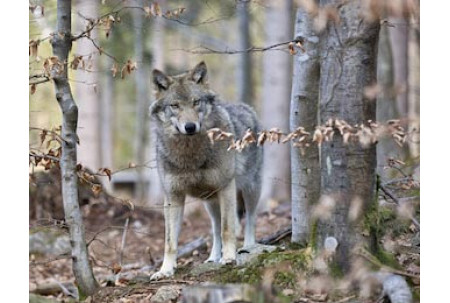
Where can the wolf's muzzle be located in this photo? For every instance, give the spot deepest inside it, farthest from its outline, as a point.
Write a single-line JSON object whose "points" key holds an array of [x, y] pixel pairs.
{"points": [[190, 128]]}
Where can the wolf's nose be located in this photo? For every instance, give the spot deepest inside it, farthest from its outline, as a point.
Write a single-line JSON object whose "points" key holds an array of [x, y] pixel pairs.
{"points": [[190, 128]]}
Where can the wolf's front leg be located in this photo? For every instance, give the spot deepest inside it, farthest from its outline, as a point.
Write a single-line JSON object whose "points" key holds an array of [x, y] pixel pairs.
{"points": [[173, 217], [227, 200], [213, 208]]}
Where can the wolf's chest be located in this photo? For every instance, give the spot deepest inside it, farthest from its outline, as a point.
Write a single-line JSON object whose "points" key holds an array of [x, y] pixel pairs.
{"points": [[201, 183]]}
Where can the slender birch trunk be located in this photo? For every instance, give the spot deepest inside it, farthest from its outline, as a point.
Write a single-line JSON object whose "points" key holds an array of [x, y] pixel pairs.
{"points": [[62, 44], [244, 68], [155, 191], [88, 100], [142, 104], [305, 168], [386, 105], [276, 101]]}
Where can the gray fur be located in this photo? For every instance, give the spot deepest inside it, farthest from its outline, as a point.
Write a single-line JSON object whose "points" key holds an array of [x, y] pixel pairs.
{"points": [[191, 165]]}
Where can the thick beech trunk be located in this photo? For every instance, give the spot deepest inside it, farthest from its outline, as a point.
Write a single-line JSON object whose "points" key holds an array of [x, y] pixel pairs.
{"points": [[349, 53]]}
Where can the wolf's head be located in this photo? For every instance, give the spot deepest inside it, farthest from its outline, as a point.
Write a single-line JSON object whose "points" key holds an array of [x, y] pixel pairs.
{"points": [[183, 101]]}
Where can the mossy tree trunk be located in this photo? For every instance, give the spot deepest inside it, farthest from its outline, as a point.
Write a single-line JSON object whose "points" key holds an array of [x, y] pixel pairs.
{"points": [[348, 66]]}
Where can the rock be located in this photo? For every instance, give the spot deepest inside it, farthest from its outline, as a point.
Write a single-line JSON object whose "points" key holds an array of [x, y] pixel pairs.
{"points": [[40, 299], [248, 254], [166, 294], [223, 293], [416, 240], [287, 292], [49, 241], [204, 268]]}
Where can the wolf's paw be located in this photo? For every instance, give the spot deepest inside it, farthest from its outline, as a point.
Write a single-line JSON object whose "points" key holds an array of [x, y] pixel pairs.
{"points": [[226, 261], [161, 275], [212, 260]]}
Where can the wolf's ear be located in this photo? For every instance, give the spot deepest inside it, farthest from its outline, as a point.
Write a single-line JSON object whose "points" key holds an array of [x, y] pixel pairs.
{"points": [[199, 73], [161, 81]]}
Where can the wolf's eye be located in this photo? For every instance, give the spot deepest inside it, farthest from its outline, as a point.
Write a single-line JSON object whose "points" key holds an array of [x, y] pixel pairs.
{"points": [[196, 102], [174, 106]]}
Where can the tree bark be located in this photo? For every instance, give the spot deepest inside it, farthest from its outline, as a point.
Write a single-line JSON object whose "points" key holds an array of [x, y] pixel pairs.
{"points": [[399, 42], [62, 44], [305, 168], [414, 89], [89, 102], [349, 53], [244, 68], [155, 192], [386, 105], [142, 104], [276, 100], [106, 121]]}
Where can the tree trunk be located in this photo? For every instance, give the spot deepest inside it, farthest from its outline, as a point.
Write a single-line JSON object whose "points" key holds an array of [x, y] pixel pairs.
{"points": [[305, 168], [414, 90], [386, 105], [276, 101], [155, 191], [244, 68], [88, 100], [62, 44], [349, 53], [106, 121], [399, 43], [142, 104]]}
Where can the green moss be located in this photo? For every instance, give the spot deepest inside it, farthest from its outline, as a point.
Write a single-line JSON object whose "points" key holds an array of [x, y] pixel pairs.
{"points": [[335, 270], [297, 261], [313, 235], [416, 294], [387, 258], [285, 279], [295, 245]]}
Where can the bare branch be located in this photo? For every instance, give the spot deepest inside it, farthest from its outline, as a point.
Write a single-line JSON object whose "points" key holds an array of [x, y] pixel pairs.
{"points": [[206, 50]]}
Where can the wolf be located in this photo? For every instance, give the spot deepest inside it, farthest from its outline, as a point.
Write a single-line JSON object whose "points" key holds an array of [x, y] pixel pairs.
{"points": [[189, 164]]}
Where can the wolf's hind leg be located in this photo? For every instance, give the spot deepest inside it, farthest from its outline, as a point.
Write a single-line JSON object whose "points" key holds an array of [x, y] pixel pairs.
{"points": [[251, 197], [173, 217], [213, 208]]}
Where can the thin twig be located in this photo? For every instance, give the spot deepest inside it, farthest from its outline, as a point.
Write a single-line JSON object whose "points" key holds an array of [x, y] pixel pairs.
{"points": [[124, 237]]}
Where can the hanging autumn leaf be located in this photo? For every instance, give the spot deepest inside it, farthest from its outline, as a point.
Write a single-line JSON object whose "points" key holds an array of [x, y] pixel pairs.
{"points": [[155, 9], [292, 50], [75, 62], [33, 88], [33, 48], [96, 189], [147, 11], [107, 172]]}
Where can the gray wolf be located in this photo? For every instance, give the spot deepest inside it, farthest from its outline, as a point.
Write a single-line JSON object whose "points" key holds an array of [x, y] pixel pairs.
{"points": [[188, 164]]}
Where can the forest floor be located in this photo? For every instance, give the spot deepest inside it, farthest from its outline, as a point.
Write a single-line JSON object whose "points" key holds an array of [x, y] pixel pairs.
{"points": [[124, 269]]}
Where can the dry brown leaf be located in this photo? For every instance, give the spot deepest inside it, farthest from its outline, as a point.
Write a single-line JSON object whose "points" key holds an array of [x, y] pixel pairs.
{"points": [[292, 49], [262, 138], [96, 188]]}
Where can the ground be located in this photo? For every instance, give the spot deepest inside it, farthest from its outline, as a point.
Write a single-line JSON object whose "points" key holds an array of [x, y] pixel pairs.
{"points": [[282, 274]]}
